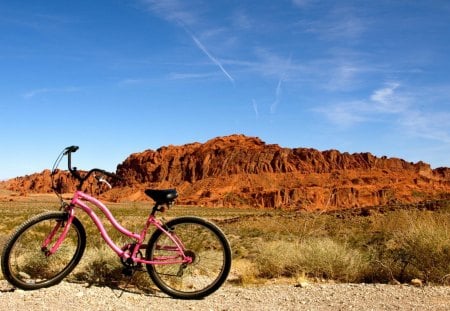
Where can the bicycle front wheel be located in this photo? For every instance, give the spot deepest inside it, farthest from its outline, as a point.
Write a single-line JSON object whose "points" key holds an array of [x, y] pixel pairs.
{"points": [[209, 249], [26, 262]]}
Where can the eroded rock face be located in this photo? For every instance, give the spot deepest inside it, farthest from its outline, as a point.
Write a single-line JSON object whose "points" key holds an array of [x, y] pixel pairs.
{"points": [[244, 171]]}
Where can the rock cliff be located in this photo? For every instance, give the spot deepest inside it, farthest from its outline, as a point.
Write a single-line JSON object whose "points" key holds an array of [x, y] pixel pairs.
{"points": [[238, 171]]}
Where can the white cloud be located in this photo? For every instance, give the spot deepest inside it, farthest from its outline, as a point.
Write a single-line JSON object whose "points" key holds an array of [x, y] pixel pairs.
{"points": [[384, 100], [393, 103], [270, 64], [33, 93], [388, 101], [302, 3], [339, 24], [341, 76], [429, 125], [241, 20], [345, 114], [182, 76], [172, 11], [335, 73], [385, 96], [131, 81]]}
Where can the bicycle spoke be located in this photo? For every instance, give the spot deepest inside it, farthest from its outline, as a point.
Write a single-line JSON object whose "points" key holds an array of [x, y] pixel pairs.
{"points": [[26, 261], [210, 253]]}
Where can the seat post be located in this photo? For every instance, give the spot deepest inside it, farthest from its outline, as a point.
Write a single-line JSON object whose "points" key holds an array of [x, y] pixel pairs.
{"points": [[154, 209]]}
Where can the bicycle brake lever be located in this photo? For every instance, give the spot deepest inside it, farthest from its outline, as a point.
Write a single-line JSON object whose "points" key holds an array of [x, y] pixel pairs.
{"points": [[102, 180], [105, 181]]}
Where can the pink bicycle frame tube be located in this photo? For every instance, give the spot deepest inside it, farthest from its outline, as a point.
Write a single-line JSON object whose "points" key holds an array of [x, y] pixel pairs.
{"points": [[78, 200], [61, 238]]}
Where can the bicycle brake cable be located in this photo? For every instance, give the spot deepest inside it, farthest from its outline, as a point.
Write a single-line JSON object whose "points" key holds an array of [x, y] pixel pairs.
{"points": [[53, 174]]}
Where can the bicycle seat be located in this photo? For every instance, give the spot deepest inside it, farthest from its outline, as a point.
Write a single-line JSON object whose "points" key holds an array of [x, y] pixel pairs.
{"points": [[166, 196]]}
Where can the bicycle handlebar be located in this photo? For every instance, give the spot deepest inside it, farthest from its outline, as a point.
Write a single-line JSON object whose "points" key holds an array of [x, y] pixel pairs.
{"points": [[73, 170]]}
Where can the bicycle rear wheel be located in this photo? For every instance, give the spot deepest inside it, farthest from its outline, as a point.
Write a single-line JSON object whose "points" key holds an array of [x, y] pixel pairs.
{"points": [[209, 249], [26, 263]]}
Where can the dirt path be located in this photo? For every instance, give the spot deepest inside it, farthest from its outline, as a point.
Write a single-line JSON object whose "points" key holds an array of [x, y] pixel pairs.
{"points": [[268, 297]]}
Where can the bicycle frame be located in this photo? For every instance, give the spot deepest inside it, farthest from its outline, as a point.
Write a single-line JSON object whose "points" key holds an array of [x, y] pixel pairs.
{"points": [[125, 252]]}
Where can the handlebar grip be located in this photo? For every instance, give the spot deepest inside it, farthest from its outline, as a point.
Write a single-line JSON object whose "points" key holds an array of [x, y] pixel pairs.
{"points": [[70, 149]]}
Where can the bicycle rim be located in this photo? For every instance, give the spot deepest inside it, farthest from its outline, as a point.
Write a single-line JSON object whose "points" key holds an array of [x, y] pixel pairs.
{"points": [[27, 266], [207, 246]]}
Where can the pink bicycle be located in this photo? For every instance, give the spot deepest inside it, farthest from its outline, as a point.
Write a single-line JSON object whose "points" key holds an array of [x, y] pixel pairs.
{"points": [[187, 257]]}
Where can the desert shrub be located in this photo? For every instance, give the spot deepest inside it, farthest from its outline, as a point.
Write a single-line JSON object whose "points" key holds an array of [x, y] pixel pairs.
{"points": [[411, 245], [243, 272], [101, 266], [277, 258], [331, 259], [315, 257], [423, 248]]}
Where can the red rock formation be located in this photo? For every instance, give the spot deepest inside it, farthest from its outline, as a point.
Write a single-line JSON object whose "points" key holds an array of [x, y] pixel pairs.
{"points": [[244, 171], [42, 183]]}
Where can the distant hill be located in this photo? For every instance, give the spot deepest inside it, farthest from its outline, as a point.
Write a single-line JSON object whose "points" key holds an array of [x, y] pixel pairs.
{"points": [[237, 171]]}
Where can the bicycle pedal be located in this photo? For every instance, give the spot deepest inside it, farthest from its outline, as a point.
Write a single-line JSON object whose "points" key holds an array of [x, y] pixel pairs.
{"points": [[127, 271]]}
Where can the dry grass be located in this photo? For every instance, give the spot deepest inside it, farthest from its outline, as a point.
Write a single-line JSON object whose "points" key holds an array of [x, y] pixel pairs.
{"points": [[399, 245], [413, 245], [321, 258]]}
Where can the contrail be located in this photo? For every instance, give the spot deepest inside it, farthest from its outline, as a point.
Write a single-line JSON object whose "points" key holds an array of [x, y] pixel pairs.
{"points": [[255, 108], [173, 11], [274, 105], [278, 90], [212, 58]]}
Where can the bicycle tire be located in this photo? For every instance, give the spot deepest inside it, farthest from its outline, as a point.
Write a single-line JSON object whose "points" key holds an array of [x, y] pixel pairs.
{"points": [[24, 263], [211, 253]]}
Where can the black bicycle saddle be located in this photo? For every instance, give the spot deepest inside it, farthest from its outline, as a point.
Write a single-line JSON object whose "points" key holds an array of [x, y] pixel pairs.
{"points": [[164, 196]]}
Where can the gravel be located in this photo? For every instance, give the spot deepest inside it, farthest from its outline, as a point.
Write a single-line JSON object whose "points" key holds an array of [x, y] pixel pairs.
{"points": [[73, 296]]}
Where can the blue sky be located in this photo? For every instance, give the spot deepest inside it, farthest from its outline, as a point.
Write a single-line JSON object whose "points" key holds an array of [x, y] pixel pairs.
{"points": [[117, 77]]}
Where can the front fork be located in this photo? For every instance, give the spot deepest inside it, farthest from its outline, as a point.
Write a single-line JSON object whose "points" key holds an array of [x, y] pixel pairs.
{"points": [[65, 225]]}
